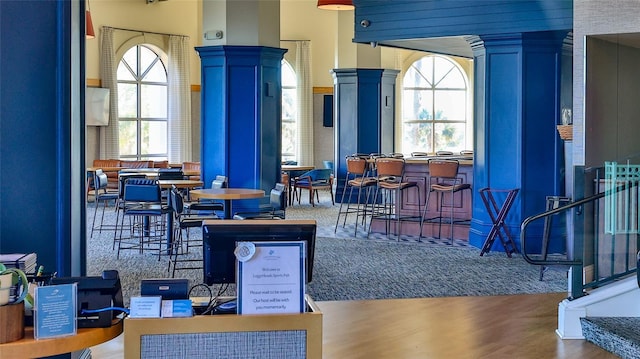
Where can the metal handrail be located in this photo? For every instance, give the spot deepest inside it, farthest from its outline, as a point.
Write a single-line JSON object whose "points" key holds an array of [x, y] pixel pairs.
{"points": [[578, 203]]}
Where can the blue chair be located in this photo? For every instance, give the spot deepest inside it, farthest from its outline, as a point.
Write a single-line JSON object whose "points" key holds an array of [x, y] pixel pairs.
{"points": [[142, 203], [313, 181]]}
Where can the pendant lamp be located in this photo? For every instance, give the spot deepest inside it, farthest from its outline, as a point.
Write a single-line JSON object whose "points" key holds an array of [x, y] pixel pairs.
{"points": [[89, 24], [335, 4]]}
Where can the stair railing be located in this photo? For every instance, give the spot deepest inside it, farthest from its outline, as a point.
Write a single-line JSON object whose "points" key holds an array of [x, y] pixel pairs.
{"points": [[578, 284]]}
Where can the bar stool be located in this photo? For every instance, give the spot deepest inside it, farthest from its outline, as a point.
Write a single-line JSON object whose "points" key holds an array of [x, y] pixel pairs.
{"points": [[390, 183], [100, 182], [356, 178], [443, 179]]}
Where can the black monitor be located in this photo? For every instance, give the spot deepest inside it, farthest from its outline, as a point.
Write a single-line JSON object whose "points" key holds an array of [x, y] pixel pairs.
{"points": [[220, 238]]}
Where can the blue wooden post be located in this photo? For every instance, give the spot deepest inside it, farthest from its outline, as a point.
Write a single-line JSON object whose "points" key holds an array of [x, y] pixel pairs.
{"points": [[364, 101], [241, 116], [517, 105]]}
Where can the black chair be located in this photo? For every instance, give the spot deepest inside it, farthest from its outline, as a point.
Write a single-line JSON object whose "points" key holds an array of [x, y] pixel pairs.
{"points": [[183, 222], [101, 194], [208, 206], [170, 174], [275, 209], [143, 206]]}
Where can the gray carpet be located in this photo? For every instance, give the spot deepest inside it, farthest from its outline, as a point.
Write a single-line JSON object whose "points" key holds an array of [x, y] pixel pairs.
{"points": [[351, 268]]}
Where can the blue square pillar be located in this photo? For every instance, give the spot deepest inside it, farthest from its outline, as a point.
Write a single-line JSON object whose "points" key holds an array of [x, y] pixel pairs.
{"points": [[517, 108], [364, 101], [241, 116]]}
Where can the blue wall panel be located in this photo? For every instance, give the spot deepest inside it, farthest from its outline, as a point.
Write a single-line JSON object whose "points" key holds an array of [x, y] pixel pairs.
{"points": [[241, 116], [413, 19], [35, 77]]}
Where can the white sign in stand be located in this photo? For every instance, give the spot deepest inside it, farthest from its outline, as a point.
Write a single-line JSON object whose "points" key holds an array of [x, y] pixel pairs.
{"points": [[271, 277]]}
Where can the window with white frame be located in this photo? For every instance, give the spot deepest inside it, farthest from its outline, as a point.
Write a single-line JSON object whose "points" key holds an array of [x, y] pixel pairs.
{"points": [[434, 106], [142, 104], [289, 113]]}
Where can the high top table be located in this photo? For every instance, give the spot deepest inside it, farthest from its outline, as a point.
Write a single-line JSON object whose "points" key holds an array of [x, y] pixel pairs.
{"points": [[226, 194]]}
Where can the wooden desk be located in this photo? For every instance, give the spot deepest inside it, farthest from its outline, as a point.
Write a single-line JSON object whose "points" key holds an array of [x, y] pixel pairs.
{"points": [[227, 194], [28, 347]]}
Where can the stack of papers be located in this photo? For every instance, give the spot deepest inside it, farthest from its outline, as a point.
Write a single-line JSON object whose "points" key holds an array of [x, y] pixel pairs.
{"points": [[25, 262]]}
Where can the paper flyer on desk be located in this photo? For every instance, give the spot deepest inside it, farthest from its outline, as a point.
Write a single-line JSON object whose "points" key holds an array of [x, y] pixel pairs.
{"points": [[272, 278], [55, 311]]}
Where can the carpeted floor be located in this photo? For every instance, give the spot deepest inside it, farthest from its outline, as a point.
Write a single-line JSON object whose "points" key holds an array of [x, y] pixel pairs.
{"points": [[349, 268]]}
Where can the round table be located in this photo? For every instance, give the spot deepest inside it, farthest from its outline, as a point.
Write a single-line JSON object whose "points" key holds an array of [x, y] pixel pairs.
{"points": [[28, 347], [226, 194], [180, 183]]}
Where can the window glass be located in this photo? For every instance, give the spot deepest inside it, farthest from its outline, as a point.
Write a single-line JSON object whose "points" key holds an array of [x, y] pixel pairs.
{"points": [[434, 106], [289, 113], [142, 105]]}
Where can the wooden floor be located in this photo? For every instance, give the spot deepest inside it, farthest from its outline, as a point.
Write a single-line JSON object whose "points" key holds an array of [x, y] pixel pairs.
{"points": [[516, 326]]}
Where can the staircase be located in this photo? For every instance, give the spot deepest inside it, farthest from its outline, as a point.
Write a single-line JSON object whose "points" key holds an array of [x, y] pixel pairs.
{"points": [[618, 335]]}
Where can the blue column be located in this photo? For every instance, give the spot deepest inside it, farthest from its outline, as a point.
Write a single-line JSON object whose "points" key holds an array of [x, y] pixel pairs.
{"points": [[364, 101], [517, 107], [241, 116]]}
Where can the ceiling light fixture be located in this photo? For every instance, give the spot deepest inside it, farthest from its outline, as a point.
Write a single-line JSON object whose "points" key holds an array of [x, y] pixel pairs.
{"points": [[90, 34], [335, 4]]}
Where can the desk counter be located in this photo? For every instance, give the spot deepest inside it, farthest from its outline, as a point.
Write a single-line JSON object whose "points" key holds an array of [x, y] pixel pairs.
{"points": [[28, 347]]}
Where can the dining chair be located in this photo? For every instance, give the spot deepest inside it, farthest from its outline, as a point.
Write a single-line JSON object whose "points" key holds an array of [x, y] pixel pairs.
{"points": [[443, 181], [313, 181]]}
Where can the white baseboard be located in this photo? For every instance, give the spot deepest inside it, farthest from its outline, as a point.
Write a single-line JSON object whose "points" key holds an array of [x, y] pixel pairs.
{"points": [[619, 299]]}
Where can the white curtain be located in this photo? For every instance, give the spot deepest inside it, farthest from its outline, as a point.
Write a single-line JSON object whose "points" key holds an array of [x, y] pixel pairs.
{"points": [[305, 103], [109, 146], [179, 100]]}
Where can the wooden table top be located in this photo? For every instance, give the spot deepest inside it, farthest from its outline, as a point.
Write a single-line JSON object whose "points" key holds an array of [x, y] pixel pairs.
{"points": [[105, 169], [28, 347], [180, 183], [296, 168], [226, 193]]}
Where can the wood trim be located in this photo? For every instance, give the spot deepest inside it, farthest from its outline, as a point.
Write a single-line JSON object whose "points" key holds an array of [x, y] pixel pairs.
{"points": [[98, 83], [94, 83], [323, 90]]}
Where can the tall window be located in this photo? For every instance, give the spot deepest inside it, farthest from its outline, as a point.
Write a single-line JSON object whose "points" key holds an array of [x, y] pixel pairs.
{"points": [[434, 106], [142, 105], [289, 113]]}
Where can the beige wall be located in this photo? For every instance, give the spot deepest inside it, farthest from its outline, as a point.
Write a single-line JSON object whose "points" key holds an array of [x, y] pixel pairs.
{"points": [[300, 20]]}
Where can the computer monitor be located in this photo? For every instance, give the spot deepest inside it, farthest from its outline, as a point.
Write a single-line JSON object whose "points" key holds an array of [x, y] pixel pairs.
{"points": [[220, 238]]}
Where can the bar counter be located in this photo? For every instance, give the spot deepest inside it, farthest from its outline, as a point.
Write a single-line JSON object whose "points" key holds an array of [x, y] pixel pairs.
{"points": [[417, 170]]}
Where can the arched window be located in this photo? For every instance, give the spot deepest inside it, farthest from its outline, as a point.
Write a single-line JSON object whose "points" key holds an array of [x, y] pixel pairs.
{"points": [[289, 113], [142, 104], [434, 106]]}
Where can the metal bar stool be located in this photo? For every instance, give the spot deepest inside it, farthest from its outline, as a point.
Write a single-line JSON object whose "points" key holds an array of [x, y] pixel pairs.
{"points": [[356, 178], [443, 179], [390, 183]]}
